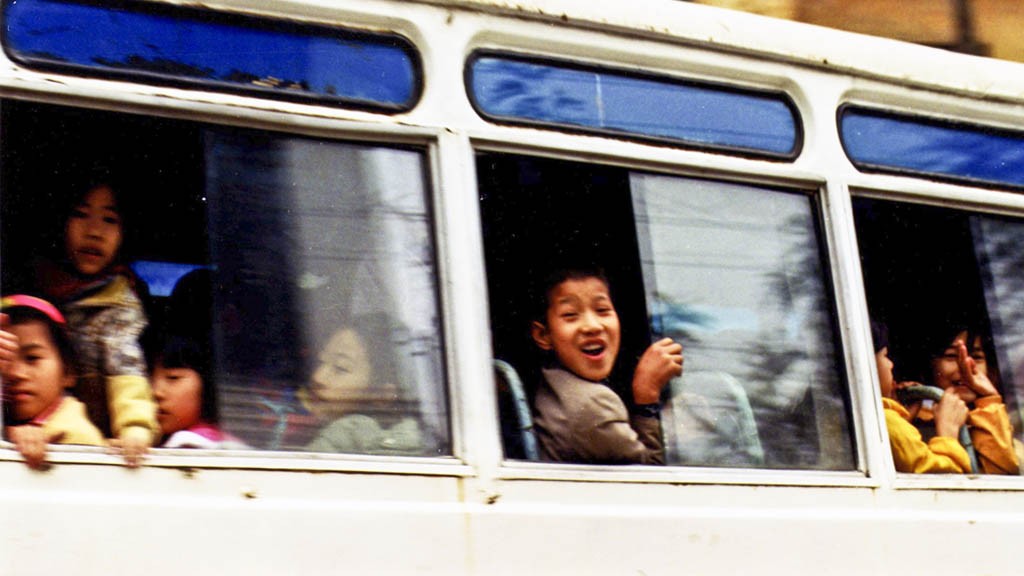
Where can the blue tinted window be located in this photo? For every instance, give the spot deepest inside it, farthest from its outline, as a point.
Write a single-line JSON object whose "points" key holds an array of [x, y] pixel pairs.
{"points": [[273, 58], [888, 142], [511, 89]]}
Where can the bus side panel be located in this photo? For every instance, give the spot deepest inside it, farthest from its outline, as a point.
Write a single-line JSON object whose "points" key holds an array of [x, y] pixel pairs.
{"points": [[659, 529], [107, 520]]}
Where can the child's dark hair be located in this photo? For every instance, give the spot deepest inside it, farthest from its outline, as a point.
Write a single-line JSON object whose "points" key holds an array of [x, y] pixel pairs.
{"points": [[879, 335], [542, 290], [19, 314], [176, 351]]}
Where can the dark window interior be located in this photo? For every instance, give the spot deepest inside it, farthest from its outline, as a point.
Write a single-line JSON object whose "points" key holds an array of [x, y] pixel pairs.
{"points": [[918, 262], [49, 149]]}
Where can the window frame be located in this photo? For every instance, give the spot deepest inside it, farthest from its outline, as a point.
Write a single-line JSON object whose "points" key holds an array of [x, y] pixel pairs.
{"points": [[424, 140], [636, 157]]}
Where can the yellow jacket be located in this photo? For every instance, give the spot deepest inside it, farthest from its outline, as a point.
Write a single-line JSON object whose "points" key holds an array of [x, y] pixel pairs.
{"points": [[105, 324], [70, 418], [911, 454], [992, 436]]}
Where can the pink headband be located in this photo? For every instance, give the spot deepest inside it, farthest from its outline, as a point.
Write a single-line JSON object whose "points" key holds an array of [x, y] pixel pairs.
{"points": [[34, 303]]}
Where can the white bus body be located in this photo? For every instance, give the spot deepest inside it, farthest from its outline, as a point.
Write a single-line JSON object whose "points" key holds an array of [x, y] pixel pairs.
{"points": [[474, 512]]}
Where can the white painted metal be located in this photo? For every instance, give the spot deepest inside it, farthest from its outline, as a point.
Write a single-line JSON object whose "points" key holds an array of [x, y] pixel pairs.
{"points": [[266, 513]]}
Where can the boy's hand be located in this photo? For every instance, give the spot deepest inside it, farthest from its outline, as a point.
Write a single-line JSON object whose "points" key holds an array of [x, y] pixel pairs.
{"points": [[31, 441], [133, 444], [8, 345], [661, 362], [950, 415], [972, 378]]}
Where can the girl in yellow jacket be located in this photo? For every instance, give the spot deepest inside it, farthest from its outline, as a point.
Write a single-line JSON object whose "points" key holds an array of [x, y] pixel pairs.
{"points": [[105, 318], [910, 453]]}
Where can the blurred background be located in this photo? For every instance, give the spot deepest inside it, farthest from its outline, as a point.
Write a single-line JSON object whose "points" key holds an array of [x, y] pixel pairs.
{"points": [[983, 27]]}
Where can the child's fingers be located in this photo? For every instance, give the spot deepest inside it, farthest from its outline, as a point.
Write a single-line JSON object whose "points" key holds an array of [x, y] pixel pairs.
{"points": [[8, 347], [34, 454], [133, 456], [913, 409], [668, 343], [965, 363], [133, 443], [131, 452], [30, 441]]}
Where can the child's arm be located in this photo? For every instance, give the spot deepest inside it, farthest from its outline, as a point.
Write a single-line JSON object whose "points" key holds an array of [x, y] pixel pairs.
{"points": [[991, 431], [31, 440], [132, 443], [660, 363], [992, 436], [132, 409], [941, 454]]}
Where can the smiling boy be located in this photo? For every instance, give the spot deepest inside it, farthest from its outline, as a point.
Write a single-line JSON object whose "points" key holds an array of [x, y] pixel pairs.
{"points": [[579, 418]]}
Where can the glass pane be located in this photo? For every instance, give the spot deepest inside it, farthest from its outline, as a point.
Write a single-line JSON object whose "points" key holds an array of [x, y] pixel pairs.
{"points": [[276, 59], [300, 271], [731, 272], [329, 338], [883, 141], [997, 245], [509, 89], [935, 275], [734, 273]]}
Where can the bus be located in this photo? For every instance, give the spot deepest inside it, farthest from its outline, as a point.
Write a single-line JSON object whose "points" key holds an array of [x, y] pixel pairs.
{"points": [[369, 189]]}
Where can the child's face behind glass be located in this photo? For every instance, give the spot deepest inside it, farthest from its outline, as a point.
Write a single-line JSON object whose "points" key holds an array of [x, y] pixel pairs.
{"points": [[946, 370], [582, 328], [36, 378], [179, 397], [93, 233], [344, 372]]}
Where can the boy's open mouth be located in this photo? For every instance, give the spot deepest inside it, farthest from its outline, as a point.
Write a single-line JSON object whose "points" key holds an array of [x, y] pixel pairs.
{"points": [[593, 350]]}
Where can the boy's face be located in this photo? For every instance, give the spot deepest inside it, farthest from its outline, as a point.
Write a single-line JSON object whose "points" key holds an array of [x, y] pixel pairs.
{"points": [[946, 369], [582, 328], [885, 377], [36, 378], [179, 398], [93, 234]]}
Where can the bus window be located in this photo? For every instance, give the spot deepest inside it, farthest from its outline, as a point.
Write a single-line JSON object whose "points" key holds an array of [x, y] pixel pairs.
{"points": [[884, 141], [932, 273], [306, 264], [535, 91], [202, 48], [733, 272]]}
